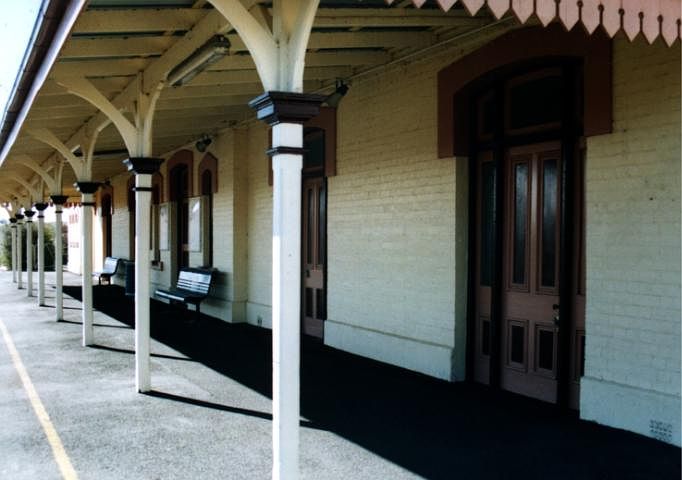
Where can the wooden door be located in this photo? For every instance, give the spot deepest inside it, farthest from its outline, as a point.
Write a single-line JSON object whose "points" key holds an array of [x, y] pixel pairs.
{"points": [[530, 294], [313, 256]]}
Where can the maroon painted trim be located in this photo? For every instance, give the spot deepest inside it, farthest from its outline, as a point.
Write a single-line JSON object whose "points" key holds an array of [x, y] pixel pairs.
{"points": [[326, 120], [519, 46]]}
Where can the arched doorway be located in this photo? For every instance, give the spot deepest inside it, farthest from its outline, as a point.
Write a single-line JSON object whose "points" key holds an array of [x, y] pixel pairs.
{"points": [[208, 177], [106, 208], [526, 235], [519, 109], [179, 181], [314, 234], [180, 168]]}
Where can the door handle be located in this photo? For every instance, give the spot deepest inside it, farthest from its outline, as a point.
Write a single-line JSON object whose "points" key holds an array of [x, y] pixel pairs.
{"points": [[556, 318], [307, 273]]}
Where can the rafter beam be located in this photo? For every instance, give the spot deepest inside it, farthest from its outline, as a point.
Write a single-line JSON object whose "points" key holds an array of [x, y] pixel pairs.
{"points": [[101, 68], [201, 104], [137, 20], [249, 76], [116, 47], [213, 23]]}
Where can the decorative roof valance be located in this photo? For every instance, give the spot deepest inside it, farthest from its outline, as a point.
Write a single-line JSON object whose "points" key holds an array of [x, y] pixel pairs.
{"points": [[650, 17]]}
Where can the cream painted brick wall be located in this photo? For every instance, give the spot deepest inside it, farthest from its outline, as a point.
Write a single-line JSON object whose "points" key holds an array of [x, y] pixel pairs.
{"points": [[633, 244], [397, 225], [391, 213], [260, 228], [398, 222]]}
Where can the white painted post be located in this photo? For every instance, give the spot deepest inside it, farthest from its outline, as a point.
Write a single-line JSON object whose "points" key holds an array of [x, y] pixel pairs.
{"points": [[58, 201], [87, 190], [14, 249], [143, 169], [142, 312], [41, 252], [29, 252], [286, 112], [286, 301], [20, 275]]}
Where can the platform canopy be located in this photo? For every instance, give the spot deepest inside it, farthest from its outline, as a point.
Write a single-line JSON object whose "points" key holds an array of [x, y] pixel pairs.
{"points": [[120, 45], [649, 17]]}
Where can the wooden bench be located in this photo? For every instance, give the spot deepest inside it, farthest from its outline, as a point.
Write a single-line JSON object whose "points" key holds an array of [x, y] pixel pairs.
{"points": [[192, 288], [108, 270]]}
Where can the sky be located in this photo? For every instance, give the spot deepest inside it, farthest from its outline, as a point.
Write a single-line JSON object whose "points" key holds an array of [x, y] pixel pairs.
{"points": [[17, 18]]}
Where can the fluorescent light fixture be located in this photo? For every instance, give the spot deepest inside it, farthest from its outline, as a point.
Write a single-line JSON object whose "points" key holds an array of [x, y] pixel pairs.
{"points": [[212, 51]]}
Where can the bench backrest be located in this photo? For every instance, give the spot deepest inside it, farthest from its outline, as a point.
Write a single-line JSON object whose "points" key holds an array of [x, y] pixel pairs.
{"points": [[195, 280], [110, 265]]}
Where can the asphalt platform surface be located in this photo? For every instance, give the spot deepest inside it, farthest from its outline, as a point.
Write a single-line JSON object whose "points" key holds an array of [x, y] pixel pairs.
{"points": [[209, 415]]}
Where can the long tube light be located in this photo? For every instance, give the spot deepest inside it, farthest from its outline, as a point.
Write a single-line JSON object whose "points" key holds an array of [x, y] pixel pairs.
{"points": [[209, 53]]}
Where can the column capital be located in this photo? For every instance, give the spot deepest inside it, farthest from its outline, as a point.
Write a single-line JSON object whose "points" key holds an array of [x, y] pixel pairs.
{"points": [[40, 206], [143, 165], [29, 214], [18, 216], [59, 199], [87, 187], [13, 221], [286, 107]]}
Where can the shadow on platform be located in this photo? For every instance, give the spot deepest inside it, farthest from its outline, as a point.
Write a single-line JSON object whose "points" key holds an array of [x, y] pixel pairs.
{"points": [[436, 429]]}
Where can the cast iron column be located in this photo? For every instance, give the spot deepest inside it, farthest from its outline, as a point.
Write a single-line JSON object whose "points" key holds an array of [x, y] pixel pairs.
{"points": [[143, 168], [286, 112], [20, 266], [40, 207], [29, 251], [87, 190], [13, 221], [59, 201]]}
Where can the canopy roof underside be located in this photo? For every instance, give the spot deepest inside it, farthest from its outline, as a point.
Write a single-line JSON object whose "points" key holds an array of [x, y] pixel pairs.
{"points": [[116, 43]]}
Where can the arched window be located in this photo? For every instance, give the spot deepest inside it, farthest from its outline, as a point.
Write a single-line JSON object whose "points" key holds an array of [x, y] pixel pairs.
{"points": [[208, 174], [105, 210], [180, 167]]}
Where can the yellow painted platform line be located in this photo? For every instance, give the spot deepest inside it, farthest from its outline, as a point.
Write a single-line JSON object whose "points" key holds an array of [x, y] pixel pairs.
{"points": [[63, 461]]}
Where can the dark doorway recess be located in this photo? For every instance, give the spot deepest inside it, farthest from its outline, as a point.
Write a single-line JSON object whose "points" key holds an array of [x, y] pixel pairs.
{"points": [[526, 311], [314, 234], [435, 429], [179, 183], [106, 210]]}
